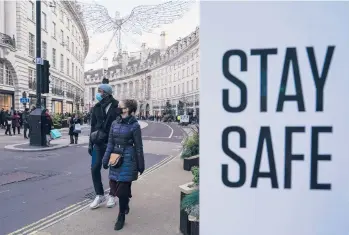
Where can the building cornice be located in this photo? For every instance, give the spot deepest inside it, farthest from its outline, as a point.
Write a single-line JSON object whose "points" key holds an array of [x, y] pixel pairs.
{"points": [[71, 6]]}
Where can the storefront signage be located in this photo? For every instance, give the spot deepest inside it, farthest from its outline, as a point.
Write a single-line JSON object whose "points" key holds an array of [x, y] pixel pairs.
{"points": [[274, 129]]}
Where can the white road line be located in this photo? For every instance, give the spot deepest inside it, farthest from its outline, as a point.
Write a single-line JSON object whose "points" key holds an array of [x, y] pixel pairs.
{"points": [[20, 168], [170, 136], [5, 191]]}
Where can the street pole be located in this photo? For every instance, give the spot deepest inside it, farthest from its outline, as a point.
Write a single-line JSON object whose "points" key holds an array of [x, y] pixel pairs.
{"points": [[38, 53], [37, 118]]}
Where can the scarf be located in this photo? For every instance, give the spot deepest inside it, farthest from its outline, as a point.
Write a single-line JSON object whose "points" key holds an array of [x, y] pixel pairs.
{"points": [[105, 102]]}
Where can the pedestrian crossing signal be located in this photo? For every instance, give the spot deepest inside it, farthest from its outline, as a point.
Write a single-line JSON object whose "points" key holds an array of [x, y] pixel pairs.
{"points": [[45, 78]]}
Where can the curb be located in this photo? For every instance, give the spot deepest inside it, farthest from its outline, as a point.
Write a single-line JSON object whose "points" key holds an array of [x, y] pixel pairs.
{"points": [[14, 149]]}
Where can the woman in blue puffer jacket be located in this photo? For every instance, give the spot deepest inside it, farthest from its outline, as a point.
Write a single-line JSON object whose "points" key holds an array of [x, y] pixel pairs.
{"points": [[125, 138]]}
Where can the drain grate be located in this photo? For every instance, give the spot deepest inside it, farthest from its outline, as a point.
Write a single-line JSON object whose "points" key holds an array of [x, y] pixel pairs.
{"points": [[16, 176], [90, 195]]}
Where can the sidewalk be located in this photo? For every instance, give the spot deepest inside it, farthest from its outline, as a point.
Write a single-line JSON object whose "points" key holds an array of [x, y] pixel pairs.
{"points": [[64, 141], [154, 208]]}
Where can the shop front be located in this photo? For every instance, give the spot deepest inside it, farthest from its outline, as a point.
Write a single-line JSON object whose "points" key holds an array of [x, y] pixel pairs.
{"points": [[6, 99], [57, 106], [69, 107]]}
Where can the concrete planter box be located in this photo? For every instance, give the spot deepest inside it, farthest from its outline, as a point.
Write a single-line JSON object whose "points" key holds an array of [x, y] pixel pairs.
{"points": [[194, 225], [189, 162], [184, 223]]}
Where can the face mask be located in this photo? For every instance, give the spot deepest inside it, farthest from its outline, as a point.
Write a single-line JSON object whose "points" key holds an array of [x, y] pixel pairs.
{"points": [[99, 97]]}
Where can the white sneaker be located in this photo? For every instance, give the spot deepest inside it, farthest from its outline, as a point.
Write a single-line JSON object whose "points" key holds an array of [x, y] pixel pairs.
{"points": [[111, 202], [97, 202]]}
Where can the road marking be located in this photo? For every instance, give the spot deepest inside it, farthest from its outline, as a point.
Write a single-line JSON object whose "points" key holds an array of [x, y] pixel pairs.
{"points": [[54, 215], [5, 191], [170, 136], [20, 168]]}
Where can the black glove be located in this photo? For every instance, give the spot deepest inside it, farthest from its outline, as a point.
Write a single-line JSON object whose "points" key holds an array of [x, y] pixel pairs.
{"points": [[90, 149], [105, 166], [141, 170]]}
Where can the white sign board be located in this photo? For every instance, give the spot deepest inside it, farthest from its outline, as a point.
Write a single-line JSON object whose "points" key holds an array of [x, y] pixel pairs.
{"points": [[274, 129], [184, 119]]}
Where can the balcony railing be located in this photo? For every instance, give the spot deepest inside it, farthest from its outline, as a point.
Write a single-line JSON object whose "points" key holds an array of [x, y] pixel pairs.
{"points": [[70, 95], [7, 41], [57, 91]]}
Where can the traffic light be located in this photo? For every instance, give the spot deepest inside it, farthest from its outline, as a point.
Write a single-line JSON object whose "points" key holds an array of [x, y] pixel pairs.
{"points": [[45, 78]]}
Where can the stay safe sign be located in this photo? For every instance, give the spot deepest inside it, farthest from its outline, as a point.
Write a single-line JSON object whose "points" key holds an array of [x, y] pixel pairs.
{"points": [[275, 127]]}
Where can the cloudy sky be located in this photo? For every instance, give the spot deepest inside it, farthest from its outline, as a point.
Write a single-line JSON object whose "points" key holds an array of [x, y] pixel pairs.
{"points": [[131, 42]]}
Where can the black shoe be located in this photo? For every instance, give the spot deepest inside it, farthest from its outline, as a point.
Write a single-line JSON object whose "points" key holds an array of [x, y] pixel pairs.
{"points": [[120, 222]]}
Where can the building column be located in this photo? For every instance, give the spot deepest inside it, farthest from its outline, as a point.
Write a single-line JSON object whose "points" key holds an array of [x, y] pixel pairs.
{"points": [[2, 17], [10, 18]]}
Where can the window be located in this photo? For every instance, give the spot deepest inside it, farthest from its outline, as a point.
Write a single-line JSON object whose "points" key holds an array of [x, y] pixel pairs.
{"points": [[72, 47], [68, 23], [62, 37], [192, 84], [188, 89], [73, 29], [68, 42], [72, 70], [61, 15], [31, 11], [53, 57], [197, 66], [76, 73], [44, 21], [5, 72], [54, 8], [68, 65], [192, 69], [197, 84], [53, 29], [31, 78], [183, 88], [62, 63], [44, 50], [31, 45], [183, 75]]}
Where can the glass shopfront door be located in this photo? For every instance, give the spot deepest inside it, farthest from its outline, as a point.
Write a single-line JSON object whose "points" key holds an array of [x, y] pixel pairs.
{"points": [[6, 101]]}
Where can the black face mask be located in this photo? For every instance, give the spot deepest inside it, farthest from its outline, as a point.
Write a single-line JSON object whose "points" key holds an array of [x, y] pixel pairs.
{"points": [[119, 110]]}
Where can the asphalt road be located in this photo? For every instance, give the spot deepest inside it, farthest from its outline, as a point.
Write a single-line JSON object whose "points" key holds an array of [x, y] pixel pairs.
{"points": [[34, 185]]}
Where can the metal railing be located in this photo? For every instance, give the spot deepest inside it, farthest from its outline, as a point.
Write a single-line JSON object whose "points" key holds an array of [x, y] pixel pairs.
{"points": [[8, 41], [57, 91]]}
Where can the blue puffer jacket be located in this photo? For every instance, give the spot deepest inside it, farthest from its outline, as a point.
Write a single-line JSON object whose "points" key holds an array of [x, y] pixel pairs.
{"points": [[125, 138]]}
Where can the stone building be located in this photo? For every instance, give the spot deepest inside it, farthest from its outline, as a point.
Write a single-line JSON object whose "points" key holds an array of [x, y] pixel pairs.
{"points": [[65, 45], [154, 77]]}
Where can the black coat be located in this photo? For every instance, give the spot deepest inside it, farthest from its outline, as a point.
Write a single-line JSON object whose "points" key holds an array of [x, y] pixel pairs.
{"points": [[101, 120], [47, 124], [72, 126]]}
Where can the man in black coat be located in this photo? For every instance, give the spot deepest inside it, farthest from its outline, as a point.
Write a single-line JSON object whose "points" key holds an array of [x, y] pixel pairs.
{"points": [[102, 116]]}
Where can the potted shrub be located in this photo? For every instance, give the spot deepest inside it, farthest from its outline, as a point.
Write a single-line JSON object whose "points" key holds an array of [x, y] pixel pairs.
{"points": [[57, 121], [187, 189], [190, 153], [190, 204]]}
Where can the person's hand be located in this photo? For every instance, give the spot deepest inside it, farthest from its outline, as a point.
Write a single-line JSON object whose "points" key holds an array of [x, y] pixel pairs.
{"points": [[141, 170], [105, 166]]}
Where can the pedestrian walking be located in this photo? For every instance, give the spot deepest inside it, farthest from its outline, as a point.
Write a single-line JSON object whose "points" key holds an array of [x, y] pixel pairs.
{"points": [[25, 117], [8, 121], [73, 132], [15, 123], [103, 114], [2, 115], [47, 126], [124, 157]]}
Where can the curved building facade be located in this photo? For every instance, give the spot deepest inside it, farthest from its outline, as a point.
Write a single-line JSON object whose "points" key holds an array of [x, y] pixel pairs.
{"points": [[64, 44], [156, 78]]}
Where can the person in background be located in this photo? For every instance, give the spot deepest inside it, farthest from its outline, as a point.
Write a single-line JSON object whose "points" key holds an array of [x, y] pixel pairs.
{"points": [[103, 114], [8, 119], [72, 122], [125, 138], [2, 118], [15, 123], [26, 123], [47, 125]]}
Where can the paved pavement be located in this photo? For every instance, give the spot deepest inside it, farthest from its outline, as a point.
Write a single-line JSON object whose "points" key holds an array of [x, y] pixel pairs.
{"points": [[154, 208], [34, 185]]}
